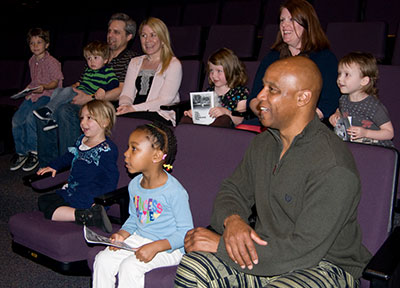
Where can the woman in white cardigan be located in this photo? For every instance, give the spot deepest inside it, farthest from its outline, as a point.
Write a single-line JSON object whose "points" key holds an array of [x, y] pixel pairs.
{"points": [[152, 79]]}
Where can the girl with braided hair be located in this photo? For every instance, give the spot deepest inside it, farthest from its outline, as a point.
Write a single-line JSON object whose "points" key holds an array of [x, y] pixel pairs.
{"points": [[159, 212]]}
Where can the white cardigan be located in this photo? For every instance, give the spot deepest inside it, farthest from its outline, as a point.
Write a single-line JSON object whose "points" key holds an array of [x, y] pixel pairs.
{"points": [[163, 90]]}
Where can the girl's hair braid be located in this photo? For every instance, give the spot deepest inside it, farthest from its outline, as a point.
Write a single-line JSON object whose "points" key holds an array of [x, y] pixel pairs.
{"points": [[162, 137]]}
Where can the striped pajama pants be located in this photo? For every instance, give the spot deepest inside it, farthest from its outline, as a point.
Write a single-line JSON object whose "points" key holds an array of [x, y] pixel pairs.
{"points": [[200, 269]]}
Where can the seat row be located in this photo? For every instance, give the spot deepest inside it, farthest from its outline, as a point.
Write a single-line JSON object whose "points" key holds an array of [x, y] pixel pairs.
{"points": [[204, 13], [197, 42], [14, 75], [60, 245], [235, 12]]}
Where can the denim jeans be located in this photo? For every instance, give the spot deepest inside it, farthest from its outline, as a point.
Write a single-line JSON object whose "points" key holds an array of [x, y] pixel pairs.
{"points": [[55, 142], [61, 96], [24, 127]]}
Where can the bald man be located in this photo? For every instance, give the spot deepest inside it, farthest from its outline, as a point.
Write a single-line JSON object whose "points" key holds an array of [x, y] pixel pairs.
{"points": [[305, 185]]}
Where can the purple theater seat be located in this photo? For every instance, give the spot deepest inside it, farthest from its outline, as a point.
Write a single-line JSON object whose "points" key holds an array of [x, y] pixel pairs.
{"points": [[203, 13], [206, 155], [191, 78], [239, 12], [388, 94], [169, 13], [138, 11], [99, 34], [68, 44], [388, 11], [337, 11], [215, 153], [72, 71], [12, 74], [269, 37], [271, 12], [251, 69], [239, 38], [190, 83], [186, 41], [378, 169], [161, 277], [60, 241], [347, 37], [60, 245], [396, 49]]}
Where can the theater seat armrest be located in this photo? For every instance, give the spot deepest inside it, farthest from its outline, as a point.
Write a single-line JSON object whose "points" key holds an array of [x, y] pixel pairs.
{"points": [[181, 105], [178, 108], [171, 107], [383, 264], [45, 183], [120, 197]]}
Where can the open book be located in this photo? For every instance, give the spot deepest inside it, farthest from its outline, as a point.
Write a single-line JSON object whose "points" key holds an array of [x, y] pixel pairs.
{"points": [[23, 93], [201, 103], [342, 124], [93, 237]]}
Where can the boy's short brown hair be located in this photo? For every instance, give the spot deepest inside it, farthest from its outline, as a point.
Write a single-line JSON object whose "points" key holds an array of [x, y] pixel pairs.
{"points": [[39, 32], [97, 48]]}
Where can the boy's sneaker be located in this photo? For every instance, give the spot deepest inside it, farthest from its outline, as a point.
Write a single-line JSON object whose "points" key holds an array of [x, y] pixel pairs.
{"points": [[31, 163], [43, 113], [50, 125], [17, 161]]}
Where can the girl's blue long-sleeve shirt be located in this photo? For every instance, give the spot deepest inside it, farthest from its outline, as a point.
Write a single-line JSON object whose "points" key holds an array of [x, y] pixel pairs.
{"points": [[93, 172], [160, 213]]}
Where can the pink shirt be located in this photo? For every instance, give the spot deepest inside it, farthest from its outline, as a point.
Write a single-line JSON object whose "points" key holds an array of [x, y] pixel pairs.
{"points": [[163, 91], [44, 71]]}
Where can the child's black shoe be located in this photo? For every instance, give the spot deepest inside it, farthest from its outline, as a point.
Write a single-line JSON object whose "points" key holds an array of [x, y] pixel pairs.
{"points": [[43, 113], [95, 216], [50, 125]]}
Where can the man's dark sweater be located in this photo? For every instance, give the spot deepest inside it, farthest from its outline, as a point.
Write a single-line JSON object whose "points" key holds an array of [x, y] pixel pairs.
{"points": [[306, 202]]}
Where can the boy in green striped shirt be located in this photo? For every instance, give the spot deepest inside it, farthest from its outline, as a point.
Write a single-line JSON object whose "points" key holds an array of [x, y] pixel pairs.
{"points": [[97, 78]]}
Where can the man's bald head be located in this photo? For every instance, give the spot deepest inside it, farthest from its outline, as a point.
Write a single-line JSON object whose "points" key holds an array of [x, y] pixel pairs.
{"points": [[304, 72], [290, 94]]}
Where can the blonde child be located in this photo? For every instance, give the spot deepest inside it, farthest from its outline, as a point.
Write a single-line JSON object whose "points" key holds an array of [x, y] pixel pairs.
{"points": [[227, 77], [97, 78], [159, 212], [46, 75], [93, 170], [366, 117]]}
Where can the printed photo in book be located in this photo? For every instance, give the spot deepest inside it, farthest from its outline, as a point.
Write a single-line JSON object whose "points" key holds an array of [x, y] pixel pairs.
{"points": [[201, 103], [94, 238], [342, 124]]}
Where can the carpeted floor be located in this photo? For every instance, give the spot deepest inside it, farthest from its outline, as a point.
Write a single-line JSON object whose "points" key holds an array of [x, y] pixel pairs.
{"points": [[17, 271]]}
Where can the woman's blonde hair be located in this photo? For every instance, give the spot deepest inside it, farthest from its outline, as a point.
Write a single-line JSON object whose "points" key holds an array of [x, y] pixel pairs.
{"points": [[234, 69], [162, 32], [103, 112]]}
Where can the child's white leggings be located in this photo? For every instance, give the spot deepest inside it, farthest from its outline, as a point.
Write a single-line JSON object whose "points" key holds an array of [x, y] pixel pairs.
{"points": [[124, 263]]}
